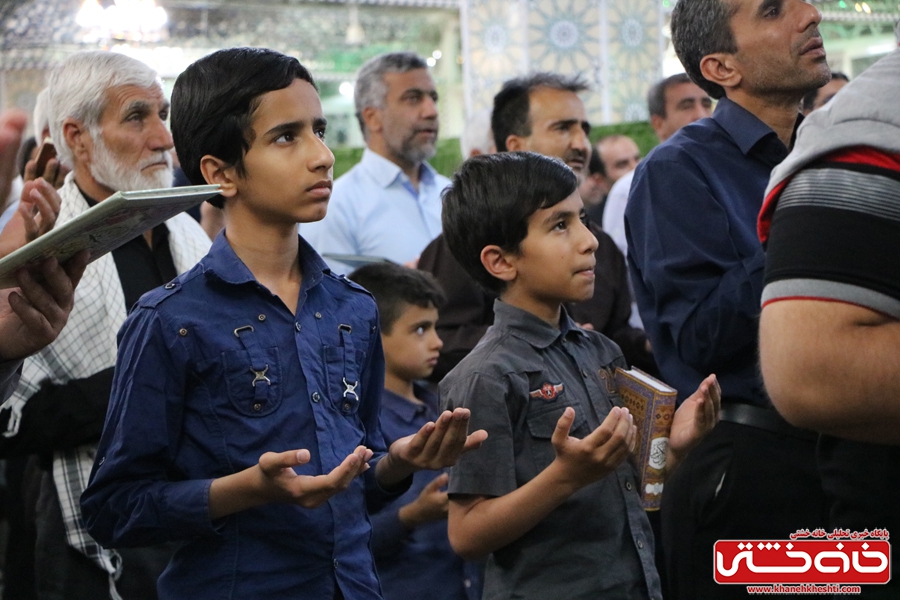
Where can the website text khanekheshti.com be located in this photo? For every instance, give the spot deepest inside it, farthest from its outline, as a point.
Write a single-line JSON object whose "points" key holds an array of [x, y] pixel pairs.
{"points": [[804, 588]]}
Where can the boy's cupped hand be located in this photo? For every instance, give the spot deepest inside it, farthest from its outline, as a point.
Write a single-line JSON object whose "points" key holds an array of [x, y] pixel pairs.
{"points": [[438, 444], [584, 461], [309, 491]]}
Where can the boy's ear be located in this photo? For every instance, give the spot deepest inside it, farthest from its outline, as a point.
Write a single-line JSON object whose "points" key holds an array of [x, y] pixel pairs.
{"points": [[495, 261], [722, 69], [216, 171]]}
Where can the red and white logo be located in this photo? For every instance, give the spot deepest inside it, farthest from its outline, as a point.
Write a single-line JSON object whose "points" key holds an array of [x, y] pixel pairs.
{"points": [[548, 391], [821, 561]]}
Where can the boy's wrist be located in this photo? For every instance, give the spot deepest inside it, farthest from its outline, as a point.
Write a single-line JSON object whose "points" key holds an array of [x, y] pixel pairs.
{"points": [[391, 470], [409, 516], [563, 478]]}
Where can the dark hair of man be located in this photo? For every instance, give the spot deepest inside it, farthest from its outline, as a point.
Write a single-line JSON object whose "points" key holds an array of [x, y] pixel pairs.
{"points": [[213, 102], [700, 28], [511, 104], [394, 287], [490, 201], [809, 100], [656, 97], [595, 165]]}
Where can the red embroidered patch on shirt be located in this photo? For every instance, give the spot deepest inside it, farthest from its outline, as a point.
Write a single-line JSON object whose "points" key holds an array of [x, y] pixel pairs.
{"points": [[548, 391]]}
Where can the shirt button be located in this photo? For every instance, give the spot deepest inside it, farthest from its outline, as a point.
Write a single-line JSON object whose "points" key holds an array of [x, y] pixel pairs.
{"points": [[467, 583], [261, 317], [584, 373], [257, 406], [297, 326], [169, 286], [347, 406], [182, 332], [640, 545], [335, 564], [318, 315], [628, 485], [315, 396]]}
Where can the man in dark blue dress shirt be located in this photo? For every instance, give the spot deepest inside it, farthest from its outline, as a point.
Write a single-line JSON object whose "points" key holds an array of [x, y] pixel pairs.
{"points": [[697, 268]]}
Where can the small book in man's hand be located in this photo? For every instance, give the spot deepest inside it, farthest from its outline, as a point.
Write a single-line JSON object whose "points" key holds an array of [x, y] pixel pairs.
{"points": [[104, 227]]}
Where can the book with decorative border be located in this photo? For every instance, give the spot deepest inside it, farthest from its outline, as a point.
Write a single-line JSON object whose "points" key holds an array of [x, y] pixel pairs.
{"points": [[652, 403], [104, 227]]}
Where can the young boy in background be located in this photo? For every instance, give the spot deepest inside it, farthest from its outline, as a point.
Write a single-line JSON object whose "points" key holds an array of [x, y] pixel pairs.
{"points": [[409, 535], [245, 401], [550, 496]]}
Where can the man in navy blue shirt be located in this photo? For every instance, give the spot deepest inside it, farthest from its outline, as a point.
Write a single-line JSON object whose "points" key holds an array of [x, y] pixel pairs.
{"points": [[697, 268], [409, 535]]}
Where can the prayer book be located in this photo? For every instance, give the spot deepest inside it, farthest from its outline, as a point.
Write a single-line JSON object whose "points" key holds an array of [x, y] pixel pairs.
{"points": [[652, 403], [104, 227]]}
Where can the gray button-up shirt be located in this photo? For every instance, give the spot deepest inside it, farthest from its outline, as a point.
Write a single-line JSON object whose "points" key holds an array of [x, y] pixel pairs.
{"points": [[517, 383]]}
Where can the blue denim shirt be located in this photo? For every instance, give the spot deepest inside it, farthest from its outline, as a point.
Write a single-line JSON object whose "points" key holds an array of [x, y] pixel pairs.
{"points": [[418, 563], [695, 259], [213, 371]]}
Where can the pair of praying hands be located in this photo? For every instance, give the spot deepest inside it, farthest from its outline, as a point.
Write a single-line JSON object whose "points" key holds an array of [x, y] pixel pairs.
{"points": [[435, 446]]}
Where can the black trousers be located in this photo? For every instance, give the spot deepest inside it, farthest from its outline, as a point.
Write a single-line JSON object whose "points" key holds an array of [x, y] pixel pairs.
{"points": [[740, 482], [64, 573]]}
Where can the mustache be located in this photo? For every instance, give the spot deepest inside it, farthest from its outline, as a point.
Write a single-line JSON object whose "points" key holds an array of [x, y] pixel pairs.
{"points": [[575, 154], [161, 156]]}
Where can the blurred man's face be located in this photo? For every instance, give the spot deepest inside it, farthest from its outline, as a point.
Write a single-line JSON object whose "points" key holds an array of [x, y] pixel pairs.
{"points": [[827, 92], [409, 119], [559, 127], [620, 156], [685, 103]]}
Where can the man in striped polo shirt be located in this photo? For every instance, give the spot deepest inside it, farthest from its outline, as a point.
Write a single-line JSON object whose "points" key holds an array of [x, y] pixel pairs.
{"points": [[830, 325]]}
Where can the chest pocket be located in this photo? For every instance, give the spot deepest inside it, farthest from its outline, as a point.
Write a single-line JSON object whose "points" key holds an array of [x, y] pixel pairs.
{"points": [[343, 365], [252, 375], [541, 422]]}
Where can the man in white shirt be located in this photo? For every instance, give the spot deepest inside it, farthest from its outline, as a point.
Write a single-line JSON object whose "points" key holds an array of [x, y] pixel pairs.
{"points": [[389, 204]]}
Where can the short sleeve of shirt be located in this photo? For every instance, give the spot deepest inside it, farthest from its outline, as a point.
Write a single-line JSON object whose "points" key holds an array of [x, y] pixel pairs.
{"points": [[835, 233], [490, 470]]}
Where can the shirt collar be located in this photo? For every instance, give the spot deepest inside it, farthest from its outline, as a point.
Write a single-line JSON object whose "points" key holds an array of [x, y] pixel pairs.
{"points": [[743, 126], [532, 329], [386, 172], [224, 264], [408, 411]]}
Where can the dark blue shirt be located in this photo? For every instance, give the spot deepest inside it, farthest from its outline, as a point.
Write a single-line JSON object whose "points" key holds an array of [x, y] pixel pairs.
{"points": [[695, 259], [417, 563], [213, 371]]}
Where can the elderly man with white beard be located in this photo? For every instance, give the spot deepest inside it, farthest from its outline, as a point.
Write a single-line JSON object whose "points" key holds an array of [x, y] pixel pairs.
{"points": [[107, 117]]}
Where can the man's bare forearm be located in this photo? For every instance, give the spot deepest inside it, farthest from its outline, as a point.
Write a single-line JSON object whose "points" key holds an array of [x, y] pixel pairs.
{"points": [[833, 367]]}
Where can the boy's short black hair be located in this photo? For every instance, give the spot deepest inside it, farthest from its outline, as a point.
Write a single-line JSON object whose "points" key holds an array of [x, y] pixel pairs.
{"points": [[490, 201], [214, 100], [393, 286]]}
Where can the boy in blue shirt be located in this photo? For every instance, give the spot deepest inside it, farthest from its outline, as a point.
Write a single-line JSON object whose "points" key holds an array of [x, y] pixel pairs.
{"points": [[244, 413], [550, 496], [409, 535]]}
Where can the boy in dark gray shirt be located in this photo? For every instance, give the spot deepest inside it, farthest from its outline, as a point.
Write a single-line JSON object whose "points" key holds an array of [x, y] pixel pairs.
{"points": [[550, 495]]}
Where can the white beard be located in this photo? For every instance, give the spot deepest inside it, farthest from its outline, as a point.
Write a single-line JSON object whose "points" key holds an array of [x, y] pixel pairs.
{"points": [[109, 172]]}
